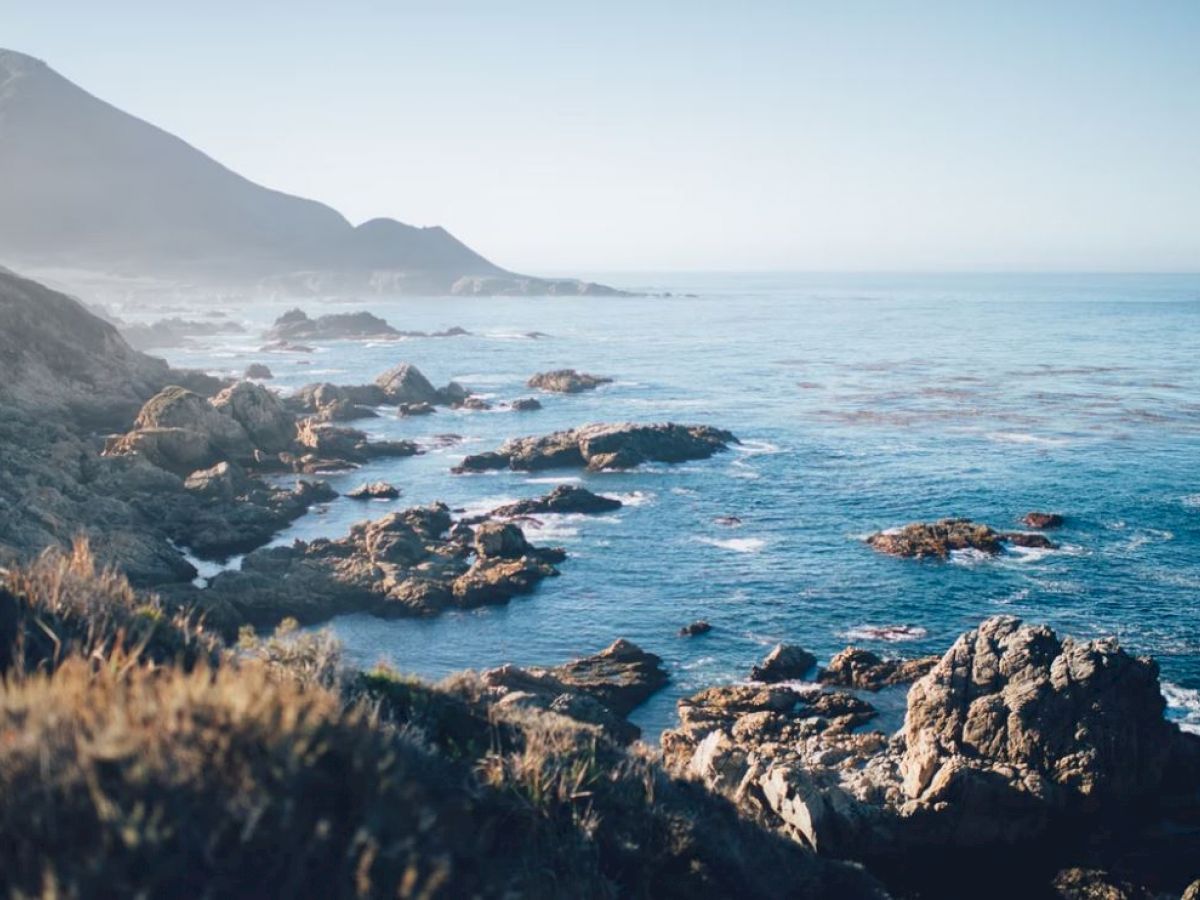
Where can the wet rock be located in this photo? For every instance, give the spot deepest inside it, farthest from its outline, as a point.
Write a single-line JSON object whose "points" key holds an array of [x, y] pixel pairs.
{"points": [[566, 381], [565, 498], [862, 669], [1042, 520], [295, 325], [786, 662], [938, 539], [414, 409], [601, 447], [693, 629], [525, 404], [375, 490], [258, 370]]}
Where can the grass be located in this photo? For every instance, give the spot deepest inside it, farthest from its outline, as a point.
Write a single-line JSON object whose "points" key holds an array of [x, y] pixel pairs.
{"points": [[140, 758]]}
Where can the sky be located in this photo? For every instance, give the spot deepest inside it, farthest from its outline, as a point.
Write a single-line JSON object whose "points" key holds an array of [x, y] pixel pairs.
{"points": [[574, 136]]}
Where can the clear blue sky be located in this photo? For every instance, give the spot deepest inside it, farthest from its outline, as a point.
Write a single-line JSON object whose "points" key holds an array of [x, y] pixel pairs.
{"points": [[571, 136]]}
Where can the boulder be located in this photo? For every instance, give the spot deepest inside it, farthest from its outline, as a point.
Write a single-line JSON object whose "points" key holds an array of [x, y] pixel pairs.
{"points": [[404, 383], [864, 670], [414, 409], [694, 629], [258, 370], [271, 428], [566, 381], [938, 539], [375, 490], [786, 662], [1042, 520], [566, 498], [495, 539], [525, 404], [600, 447]]}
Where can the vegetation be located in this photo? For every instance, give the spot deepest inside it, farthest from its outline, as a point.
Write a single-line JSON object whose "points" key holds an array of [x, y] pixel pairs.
{"points": [[140, 758]]}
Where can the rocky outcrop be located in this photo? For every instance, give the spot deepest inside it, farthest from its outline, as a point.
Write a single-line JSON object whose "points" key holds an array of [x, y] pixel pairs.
{"points": [[695, 629], [601, 689], [525, 404], [173, 332], [270, 427], [375, 490], [323, 447], [855, 667], [599, 447], [566, 498], [566, 381], [295, 325], [336, 403], [1042, 520], [404, 410], [1014, 737], [404, 383], [406, 563], [938, 539], [259, 371], [785, 662]]}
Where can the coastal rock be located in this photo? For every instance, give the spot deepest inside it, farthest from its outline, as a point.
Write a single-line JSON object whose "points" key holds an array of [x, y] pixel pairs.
{"points": [[862, 669], [295, 325], [1094, 884], [477, 404], [525, 404], [337, 446], [599, 447], [258, 370], [404, 383], [786, 662], [414, 409], [336, 403], [1042, 520], [1014, 736], [600, 689], [694, 629], [173, 332], [375, 490], [566, 381], [495, 539], [271, 428], [566, 498], [938, 539], [409, 562]]}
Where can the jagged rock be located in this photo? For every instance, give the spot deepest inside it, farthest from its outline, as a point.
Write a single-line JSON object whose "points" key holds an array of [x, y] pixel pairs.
{"points": [[695, 628], [336, 403], [271, 428], [525, 404], [862, 669], [566, 381], [404, 383], [295, 325], [566, 498], [1093, 884], [937, 539], [375, 490], [337, 446], [414, 409], [1042, 520], [786, 662], [1192, 891], [494, 539], [258, 370], [585, 689], [604, 447]]}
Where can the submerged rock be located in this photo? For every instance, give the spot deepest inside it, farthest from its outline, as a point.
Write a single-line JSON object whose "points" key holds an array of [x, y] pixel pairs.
{"points": [[598, 447], [694, 629], [786, 662], [414, 409], [566, 381], [937, 539], [566, 498], [1042, 520]]}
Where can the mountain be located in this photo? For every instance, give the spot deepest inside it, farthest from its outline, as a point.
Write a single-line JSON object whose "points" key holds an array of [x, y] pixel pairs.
{"points": [[89, 191]]}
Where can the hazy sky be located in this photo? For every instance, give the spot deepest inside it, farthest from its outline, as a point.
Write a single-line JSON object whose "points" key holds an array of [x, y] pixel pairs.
{"points": [[571, 136]]}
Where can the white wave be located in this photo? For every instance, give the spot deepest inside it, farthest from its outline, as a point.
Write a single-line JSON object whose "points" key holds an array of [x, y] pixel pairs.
{"points": [[207, 569], [552, 527], [1030, 554], [1191, 501], [486, 505], [1183, 706], [737, 545], [970, 557], [562, 479], [755, 448], [890, 633], [493, 378], [633, 498], [1021, 437]]}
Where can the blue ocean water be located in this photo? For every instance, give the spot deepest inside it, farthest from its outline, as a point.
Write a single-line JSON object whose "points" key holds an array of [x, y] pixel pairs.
{"points": [[863, 402]]}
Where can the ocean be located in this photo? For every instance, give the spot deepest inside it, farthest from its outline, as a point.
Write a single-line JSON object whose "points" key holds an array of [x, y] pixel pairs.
{"points": [[862, 402]]}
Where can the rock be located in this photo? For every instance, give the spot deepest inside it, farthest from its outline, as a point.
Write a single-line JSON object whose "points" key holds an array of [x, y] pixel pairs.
{"points": [[271, 428], [414, 409], [786, 662], [474, 403], [404, 383], [337, 446], [599, 689], [565, 498], [728, 521], [1093, 884], [862, 669], [601, 447], [295, 325], [224, 481], [284, 347], [695, 628], [566, 381], [375, 490], [937, 539], [525, 404], [1042, 520], [494, 539], [258, 370], [1192, 892], [336, 403], [173, 332]]}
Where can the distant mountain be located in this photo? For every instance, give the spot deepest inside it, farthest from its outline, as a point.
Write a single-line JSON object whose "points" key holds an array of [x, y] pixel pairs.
{"points": [[87, 188]]}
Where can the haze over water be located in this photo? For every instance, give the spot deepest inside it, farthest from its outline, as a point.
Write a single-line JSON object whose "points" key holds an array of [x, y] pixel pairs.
{"points": [[863, 402]]}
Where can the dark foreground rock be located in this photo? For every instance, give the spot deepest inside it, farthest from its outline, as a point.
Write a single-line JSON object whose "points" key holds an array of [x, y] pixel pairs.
{"points": [[406, 563], [566, 381], [694, 629], [1014, 739], [938, 539], [601, 689], [785, 662], [566, 498], [599, 447]]}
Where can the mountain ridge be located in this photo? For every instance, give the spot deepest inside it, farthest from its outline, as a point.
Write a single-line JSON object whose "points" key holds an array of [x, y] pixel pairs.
{"points": [[91, 188]]}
